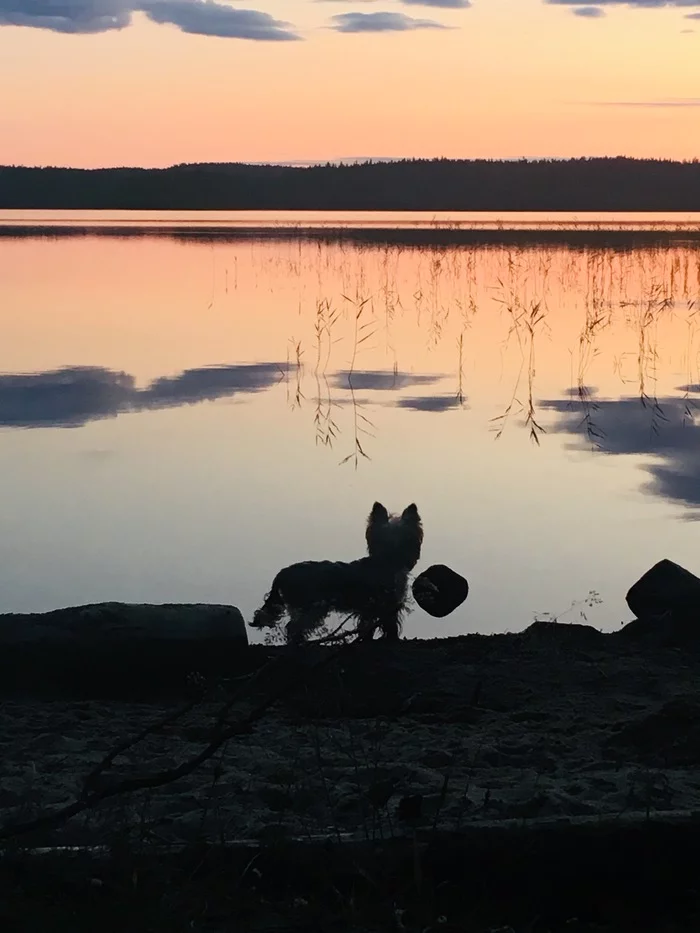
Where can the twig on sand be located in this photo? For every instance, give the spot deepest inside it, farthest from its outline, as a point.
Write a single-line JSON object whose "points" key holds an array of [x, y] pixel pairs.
{"points": [[223, 732]]}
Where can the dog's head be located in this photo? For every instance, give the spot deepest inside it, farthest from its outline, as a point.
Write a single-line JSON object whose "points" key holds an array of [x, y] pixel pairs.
{"points": [[396, 539]]}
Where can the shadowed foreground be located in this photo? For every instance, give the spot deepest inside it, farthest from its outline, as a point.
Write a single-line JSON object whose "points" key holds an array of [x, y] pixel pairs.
{"points": [[491, 780], [521, 879]]}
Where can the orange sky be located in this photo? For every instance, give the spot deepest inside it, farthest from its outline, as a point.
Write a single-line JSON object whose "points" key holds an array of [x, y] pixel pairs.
{"points": [[511, 78]]}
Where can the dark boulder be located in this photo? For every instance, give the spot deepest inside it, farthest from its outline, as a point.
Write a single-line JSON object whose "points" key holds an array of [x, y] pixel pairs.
{"points": [[116, 623], [119, 649], [667, 587], [666, 603], [439, 590]]}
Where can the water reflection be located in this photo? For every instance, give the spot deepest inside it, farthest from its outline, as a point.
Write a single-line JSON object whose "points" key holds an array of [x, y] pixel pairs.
{"points": [[210, 383], [434, 403], [666, 429], [381, 381], [434, 367], [73, 396]]}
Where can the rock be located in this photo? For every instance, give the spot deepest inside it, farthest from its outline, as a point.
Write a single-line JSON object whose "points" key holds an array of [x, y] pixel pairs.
{"points": [[667, 587], [671, 630], [107, 623], [666, 603], [439, 590], [120, 650]]}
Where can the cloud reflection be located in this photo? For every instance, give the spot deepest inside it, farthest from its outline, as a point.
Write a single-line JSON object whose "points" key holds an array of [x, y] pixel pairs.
{"points": [[74, 396], [434, 403], [381, 380], [209, 383], [666, 429], [67, 398]]}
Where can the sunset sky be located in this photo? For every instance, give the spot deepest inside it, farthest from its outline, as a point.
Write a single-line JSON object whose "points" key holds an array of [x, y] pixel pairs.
{"points": [[156, 82]]}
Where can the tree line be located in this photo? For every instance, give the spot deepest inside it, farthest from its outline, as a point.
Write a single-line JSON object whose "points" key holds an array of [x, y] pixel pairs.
{"points": [[586, 184]]}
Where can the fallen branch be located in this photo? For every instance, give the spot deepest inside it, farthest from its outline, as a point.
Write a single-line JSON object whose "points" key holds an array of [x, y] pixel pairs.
{"points": [[223, 732]]}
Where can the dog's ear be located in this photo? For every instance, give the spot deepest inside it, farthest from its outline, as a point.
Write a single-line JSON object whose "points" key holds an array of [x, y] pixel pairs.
{"points": [[378, 514], [410, 513]]}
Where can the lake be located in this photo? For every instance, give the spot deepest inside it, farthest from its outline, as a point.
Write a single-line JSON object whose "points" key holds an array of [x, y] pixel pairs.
{"points": [[190, 402]]}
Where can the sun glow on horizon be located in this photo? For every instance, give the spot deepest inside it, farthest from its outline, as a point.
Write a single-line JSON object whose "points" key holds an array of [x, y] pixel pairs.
{"points": [[505, 79]]}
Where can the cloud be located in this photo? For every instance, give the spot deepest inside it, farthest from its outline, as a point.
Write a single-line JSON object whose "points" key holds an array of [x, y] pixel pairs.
{"points": [[71, 16], [381, 22], [440, 4], [639, 4], [672, 102], [74, 396], [202, 17], [595, 8], [666, 430], [208, 18]]}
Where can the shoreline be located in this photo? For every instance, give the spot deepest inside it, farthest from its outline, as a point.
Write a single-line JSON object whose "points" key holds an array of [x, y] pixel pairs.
{"points": [[575, 236], [519, 769]]}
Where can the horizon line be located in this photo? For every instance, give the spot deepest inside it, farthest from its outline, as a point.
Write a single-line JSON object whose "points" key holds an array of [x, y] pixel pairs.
{"points": [[344, 160]]}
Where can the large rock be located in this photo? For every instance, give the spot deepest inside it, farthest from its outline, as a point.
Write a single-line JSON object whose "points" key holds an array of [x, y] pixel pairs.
{"points": [[439, 590], [667, 587], [120, 650], [666, 603], [102, 623]]}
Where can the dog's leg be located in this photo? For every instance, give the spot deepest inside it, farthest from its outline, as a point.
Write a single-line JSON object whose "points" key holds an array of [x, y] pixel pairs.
{"points": [[366, 627], [390, 628], [302, 623], [295, 627]]}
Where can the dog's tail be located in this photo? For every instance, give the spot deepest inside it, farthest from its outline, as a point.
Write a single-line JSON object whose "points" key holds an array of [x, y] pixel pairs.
{"points": [[272, 610]]}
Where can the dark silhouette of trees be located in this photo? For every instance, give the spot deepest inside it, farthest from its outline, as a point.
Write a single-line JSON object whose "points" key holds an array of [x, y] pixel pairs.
{"points": [[611, 184]]}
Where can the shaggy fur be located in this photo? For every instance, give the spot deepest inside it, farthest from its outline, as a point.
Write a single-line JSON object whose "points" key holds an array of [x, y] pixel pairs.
{"points": [[373, 590]]}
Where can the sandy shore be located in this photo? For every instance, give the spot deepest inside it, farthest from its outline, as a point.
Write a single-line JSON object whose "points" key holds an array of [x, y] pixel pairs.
{"points": [[559, 722]]}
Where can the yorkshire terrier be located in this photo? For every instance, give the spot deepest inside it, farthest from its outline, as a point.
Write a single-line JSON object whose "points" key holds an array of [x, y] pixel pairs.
{"points": [[373, 590]]}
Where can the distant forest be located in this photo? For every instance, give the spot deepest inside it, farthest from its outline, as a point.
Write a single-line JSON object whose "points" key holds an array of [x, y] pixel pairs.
{"points": [[615, 184]]}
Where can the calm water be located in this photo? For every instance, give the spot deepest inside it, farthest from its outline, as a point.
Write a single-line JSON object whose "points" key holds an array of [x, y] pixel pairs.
{"points": [[208, 403]]}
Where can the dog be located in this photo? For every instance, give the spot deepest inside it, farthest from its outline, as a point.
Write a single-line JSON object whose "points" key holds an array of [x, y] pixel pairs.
{"points": [[373, 590]]}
